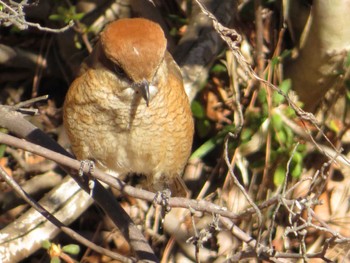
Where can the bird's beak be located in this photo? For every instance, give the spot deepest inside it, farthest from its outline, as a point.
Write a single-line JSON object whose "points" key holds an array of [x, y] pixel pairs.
{"points": [[145, 93], [143, 86]]}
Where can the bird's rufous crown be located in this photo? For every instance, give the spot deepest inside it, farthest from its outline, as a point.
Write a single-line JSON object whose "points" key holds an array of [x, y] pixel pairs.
{"points": [[136, 45]]}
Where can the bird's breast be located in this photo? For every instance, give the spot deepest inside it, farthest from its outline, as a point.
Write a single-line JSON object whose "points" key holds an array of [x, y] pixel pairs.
{"points": [[126, 135]]}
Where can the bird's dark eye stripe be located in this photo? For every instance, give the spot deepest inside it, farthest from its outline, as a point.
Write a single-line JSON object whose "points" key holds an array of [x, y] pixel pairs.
{"points": [[112, 66], [119, 70]]}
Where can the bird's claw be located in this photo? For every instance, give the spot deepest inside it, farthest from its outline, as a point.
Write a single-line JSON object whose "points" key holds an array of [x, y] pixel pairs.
{"points": [[162, 198], [91, 166]]}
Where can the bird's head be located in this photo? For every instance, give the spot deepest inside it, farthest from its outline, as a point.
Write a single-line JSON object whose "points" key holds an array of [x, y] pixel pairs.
{"points": [[136, 47]]}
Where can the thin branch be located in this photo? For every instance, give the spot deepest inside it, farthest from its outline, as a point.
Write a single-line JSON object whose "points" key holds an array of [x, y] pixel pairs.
{"points": [[17, 18], [241, 188], [50, 30], [19, 190]]}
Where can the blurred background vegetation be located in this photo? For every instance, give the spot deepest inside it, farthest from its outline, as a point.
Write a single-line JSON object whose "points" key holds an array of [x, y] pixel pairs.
{"points": [[284, 144]]}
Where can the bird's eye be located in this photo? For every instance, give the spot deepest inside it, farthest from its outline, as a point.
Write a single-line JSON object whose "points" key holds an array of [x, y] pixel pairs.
{"points": [[119, 70]]}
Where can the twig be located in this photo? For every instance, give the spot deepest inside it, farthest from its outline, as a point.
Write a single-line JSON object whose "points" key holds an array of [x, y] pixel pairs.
{"points": [[30, 101], [9, 180], [232, 71], [241, 188], [259, 37], [50, 30], [20, 106], [16, 16], [283, 195]]}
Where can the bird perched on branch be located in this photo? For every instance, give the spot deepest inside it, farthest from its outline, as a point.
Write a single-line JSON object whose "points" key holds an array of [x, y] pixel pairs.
{"points": [[127, 110]]}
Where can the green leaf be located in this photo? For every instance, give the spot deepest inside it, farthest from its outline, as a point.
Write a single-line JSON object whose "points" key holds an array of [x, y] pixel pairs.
{"points": [[56, 17], [55, 260], [285, 54], [66, 14], [203, 128], [274, 61], [2, 150], [3, 146], [197, 110], [279, 175], [77, 42], [46, 244], [276, 121], [290, 135], [334, 126], [285, 87], [290, 113], [210, 144], [72, 249], [297, 161], [297, 158], [281, 137], [219, 68], [204, 149], [246, 135], [347, 62], [301, 149], [78, 16], [178, 19], [173, 32], [262, 96], [296, 172]]}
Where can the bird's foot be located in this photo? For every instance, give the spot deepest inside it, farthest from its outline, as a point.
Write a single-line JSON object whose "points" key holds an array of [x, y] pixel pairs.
{"points": [[91, 166], [162, 198]]}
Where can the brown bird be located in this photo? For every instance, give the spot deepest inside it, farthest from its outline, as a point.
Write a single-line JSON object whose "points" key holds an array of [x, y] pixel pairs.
{"points": [[127, 110]]}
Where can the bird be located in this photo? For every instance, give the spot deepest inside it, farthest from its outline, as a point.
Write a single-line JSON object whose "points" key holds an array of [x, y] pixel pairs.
{"points": [[127, 110]]}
